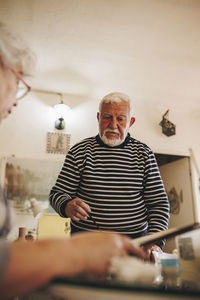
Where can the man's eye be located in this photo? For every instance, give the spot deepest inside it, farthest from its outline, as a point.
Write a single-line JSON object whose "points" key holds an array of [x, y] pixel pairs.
{"points": [[121, 119], [107, 117]]}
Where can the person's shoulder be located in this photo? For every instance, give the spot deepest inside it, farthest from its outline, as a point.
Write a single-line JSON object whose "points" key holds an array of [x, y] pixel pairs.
{"points": [[140, 146], [89, 141]]}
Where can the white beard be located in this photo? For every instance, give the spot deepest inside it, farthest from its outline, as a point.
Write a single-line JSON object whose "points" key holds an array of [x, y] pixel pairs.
{"points": [[113, 142], [110, 142]]}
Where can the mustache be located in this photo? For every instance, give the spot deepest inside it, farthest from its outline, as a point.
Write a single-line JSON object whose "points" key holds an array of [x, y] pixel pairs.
{"points": [[111, 130]]}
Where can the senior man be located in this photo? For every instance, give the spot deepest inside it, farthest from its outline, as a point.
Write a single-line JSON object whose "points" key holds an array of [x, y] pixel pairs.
{"points": [[111, 181]]}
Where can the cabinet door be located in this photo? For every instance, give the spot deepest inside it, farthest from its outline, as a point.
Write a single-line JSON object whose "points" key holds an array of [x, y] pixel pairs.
{"points": [[195, 176], [176, 176]]}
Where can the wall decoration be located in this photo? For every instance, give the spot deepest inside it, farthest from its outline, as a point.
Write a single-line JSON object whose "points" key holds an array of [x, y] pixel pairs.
{"points": [[175, 200], [58, 142], [28, 183], [168, 128]]}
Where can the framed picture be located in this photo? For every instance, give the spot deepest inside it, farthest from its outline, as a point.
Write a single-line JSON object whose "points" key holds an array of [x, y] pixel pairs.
{"points": [[28, 182], [58, 142]]}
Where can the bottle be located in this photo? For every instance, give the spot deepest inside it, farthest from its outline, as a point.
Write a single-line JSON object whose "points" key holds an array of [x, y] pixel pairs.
{"points": [[22, 234]]}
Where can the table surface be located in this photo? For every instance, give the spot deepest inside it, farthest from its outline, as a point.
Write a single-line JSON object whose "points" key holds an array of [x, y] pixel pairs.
{"points": [[82, 288]]}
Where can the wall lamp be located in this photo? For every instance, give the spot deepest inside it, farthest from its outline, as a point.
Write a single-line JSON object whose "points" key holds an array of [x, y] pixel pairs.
{"points": [[61, 108]]}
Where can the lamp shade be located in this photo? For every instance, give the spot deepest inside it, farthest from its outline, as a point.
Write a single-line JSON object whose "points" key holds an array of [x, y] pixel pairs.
{"points": [[61, 108]]}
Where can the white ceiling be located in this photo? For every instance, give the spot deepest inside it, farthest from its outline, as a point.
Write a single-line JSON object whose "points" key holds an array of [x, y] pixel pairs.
{"points": [[149, 49]]}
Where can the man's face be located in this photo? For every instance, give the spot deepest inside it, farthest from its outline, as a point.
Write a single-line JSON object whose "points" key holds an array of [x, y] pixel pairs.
{"points": [[8, 90], [114, 122]]}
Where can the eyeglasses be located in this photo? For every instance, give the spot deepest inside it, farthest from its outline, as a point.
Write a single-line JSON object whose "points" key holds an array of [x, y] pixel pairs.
{"points": [[23, 88]]}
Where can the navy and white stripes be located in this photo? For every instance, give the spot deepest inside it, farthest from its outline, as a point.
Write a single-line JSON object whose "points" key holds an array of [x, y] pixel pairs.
{"points": [[122, 186]]}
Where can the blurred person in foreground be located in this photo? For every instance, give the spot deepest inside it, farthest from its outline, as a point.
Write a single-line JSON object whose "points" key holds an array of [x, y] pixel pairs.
{"points": [[26, 266]]}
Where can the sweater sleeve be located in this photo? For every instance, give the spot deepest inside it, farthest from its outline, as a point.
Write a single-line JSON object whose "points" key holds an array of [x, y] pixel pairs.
{"points": [[66, 186], [155, 197]]}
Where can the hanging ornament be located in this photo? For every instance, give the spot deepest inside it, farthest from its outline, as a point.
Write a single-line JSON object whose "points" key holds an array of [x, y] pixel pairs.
{"points": [[168, 128]]}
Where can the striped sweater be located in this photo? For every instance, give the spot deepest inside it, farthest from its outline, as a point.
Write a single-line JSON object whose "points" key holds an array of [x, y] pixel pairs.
{"points": [[122, 186]]}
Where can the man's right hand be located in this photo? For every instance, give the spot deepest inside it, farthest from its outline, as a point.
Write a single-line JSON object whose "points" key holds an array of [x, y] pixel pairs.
{"points": [[77, 209]]}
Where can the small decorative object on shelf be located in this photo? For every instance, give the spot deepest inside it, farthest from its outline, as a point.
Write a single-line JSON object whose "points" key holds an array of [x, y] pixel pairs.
{"points": [[22, 234], [168, 128], [29, 237], [67, 228]]}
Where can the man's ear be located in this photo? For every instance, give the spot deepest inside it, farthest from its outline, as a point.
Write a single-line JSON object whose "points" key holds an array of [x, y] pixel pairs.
{"points": [[98, 116], [131, 122]]}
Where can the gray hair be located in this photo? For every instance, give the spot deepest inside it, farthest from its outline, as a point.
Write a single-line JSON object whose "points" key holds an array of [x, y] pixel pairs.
{"points": [[116, 97], [14, 52]]}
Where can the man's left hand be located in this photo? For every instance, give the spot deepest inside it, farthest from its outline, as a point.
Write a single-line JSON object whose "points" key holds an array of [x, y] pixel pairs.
{"points": [[148, 249]]}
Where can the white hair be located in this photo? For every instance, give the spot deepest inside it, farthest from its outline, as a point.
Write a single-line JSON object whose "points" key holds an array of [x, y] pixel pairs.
{"points": [[14, 52], [116, 97]]}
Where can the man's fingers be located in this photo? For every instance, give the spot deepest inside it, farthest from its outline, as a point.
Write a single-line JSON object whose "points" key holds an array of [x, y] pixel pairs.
{"points": [[75, 218], [83, 205], [77, 210], [75, 215], [148, 249], [82, 212], [81, 216]]}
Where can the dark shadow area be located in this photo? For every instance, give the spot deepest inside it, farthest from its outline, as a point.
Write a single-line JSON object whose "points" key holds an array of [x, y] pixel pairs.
{"points": [[163, 159]]}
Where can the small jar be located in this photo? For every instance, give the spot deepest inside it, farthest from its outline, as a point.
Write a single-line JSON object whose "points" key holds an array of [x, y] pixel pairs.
{"points": [[22, 234], [29, 237]]}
